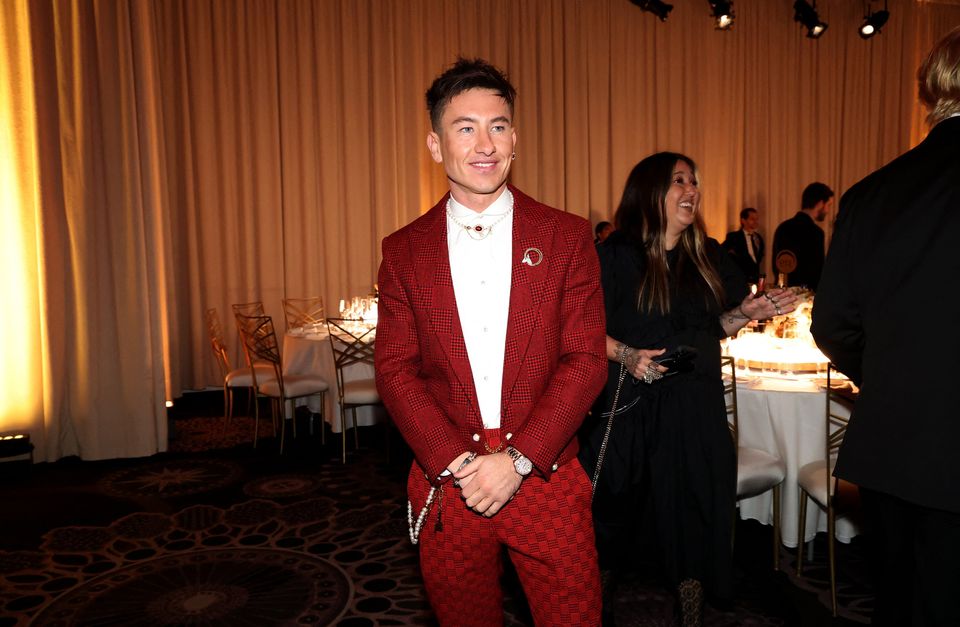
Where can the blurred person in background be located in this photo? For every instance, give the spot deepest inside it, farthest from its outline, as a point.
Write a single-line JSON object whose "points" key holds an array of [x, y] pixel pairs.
{"points": [[803, 238], [601, 232], [745, 245]]}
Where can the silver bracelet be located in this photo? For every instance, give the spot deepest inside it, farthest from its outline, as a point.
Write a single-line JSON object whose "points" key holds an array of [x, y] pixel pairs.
{"points": [[732, 315], [469, 458]]}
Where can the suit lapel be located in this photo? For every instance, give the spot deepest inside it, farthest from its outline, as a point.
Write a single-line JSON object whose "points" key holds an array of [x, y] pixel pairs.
{"points": [[530, 235], [433, 269]]}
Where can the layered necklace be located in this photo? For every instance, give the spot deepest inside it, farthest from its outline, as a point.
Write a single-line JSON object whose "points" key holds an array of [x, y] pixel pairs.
{"points": [[476, 231]]}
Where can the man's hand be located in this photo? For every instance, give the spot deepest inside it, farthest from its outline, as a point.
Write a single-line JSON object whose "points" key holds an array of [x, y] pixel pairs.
{"points": [[488, 483], [455, 464]]}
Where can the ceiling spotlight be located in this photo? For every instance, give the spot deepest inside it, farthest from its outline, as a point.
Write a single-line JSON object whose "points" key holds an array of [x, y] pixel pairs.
{"points": [[722, 14], [806, 14], [873, 22], [657, 7]]}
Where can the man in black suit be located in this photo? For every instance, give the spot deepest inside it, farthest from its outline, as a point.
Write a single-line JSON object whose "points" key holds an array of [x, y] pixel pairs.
{"points": [[746, 245], [887, 314], [801, 236], [601, 232]]}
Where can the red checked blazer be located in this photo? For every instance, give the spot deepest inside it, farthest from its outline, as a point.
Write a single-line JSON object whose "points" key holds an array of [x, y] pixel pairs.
{"points": [[555, 357]]}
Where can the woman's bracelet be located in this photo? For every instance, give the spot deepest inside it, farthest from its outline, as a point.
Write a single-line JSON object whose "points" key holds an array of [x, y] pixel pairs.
{"points": [[621, 352], [732, 315], [626, 356]]}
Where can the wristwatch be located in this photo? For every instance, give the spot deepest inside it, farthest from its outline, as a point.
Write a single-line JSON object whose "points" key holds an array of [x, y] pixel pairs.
{"points": [[521, 464]]}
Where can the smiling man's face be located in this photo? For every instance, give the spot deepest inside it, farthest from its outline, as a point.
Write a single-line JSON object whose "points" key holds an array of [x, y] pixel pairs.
{"points": [[475, 145]]}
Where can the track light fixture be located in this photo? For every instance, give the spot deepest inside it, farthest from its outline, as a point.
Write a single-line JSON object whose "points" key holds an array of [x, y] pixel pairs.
{"points": [[722, 14], [873, 22], [806, 14], [657, 7]]}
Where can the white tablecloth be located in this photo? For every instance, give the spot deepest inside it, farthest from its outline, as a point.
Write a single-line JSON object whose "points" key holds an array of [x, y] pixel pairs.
{"points": [[786, 418], [310, 353]]}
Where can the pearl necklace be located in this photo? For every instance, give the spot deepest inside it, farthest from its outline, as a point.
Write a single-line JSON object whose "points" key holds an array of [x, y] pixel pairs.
{"points": [[476, 231]]}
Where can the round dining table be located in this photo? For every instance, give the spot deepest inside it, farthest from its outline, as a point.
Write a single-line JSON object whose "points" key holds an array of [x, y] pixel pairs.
{"points": [[308, 351], [786, 416]]}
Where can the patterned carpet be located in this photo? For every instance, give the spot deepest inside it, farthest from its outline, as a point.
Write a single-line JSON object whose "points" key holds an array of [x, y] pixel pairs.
{"points": [[237, 536]]}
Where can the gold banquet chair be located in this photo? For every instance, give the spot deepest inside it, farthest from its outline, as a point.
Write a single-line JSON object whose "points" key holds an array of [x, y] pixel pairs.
{"points": [[233, 378], [757, 471], [260, 340], [303, 313], [816, 480], [352, 342], [254, 308]]}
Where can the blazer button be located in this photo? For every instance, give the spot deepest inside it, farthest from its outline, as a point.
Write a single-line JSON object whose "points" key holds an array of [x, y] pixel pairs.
{"points": [[554, 467], [476, 437], [509, 435]]}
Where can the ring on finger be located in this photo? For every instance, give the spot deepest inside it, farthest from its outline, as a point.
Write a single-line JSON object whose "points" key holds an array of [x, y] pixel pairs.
{"points": [[779, 313]]}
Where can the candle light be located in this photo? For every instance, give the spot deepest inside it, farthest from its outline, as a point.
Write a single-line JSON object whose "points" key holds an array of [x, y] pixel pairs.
{"points": [[785, 344]]}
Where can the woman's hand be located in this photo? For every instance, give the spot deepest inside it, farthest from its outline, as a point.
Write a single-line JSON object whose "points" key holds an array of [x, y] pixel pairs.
{"points": [[771, 303], [639, 360]]}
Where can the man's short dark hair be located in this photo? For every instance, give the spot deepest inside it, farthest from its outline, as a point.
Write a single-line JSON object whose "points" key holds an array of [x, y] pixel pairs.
{"points": [[600, 226], [814, 193], [746, 212], [463, 75]]}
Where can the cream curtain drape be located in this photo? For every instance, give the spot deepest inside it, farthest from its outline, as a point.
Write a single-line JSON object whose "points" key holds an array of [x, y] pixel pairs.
{"points": [[178, 155]]}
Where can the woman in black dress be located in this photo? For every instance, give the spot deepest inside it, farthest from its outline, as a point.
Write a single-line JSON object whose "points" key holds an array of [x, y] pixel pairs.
{"points": [[669, 454]]}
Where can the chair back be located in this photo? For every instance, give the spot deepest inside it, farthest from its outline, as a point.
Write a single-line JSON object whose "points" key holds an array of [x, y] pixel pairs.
{"points": [[839, 394], [215, 333], [303, 312], [260, 343], [352, 342], [254, 308], [727, 364]]}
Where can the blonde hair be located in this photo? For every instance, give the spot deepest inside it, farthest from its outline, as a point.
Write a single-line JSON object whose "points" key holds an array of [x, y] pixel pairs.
{"points": [[939, 78]]}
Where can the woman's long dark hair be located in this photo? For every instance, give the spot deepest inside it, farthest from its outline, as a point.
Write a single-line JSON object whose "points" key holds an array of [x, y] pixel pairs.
{"points": [[642, 217]]}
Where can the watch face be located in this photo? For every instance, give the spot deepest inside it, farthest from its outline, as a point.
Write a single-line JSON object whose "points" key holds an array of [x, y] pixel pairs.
{"points": [[523, 466]]}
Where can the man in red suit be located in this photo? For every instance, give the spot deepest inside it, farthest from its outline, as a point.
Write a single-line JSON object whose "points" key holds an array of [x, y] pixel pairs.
{"points": [[490, 350]]}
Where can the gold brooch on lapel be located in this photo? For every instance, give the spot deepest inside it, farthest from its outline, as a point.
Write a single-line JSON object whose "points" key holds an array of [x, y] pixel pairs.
{"points": [[532, 257]]}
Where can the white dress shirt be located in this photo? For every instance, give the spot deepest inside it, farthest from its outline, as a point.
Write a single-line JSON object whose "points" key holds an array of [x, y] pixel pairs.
{"points": [[480, 269]]}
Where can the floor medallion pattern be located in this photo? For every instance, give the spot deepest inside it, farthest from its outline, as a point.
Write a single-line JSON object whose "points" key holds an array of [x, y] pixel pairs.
{"points": [[172, 478], [233, 586], [254, 563]]}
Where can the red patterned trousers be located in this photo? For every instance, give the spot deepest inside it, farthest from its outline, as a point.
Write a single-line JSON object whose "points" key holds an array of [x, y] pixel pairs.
{"points": [[547, 530]]}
